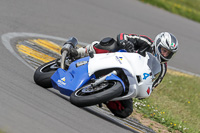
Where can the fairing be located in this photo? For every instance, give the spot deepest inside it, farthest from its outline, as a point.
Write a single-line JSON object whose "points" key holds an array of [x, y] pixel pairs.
{"points": [[139, 70], [75, 77], [133, 65]]}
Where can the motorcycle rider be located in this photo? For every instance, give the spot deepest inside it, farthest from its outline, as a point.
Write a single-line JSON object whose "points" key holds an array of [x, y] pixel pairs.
{"points": [[164, 47]]}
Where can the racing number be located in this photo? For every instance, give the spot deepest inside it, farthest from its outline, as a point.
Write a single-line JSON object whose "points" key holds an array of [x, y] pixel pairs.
{"points": [[146, 75]]}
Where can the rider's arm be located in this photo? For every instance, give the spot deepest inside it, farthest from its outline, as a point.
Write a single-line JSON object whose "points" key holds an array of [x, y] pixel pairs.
{"points": [[141, 43], [84, 51], [161, 76], [95, 47], [136, 39]]}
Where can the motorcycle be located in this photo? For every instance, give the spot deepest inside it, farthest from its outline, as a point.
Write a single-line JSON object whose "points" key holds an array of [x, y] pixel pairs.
{"points": [[99, 78]]}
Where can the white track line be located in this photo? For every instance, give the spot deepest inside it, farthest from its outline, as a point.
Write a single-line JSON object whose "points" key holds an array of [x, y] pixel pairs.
{"points": [[6, 40]]}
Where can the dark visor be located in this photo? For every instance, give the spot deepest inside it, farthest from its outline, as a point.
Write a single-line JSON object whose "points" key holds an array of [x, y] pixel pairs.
{"points": [[169, 56]]}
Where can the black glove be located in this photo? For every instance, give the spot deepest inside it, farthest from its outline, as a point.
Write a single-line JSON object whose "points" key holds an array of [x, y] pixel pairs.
{"points": [[127, 45], [73, 52]]}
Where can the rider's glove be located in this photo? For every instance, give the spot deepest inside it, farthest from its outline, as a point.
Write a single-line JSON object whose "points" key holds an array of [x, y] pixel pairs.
{"points": [[127, 45], [66, 47], [73, 52]]}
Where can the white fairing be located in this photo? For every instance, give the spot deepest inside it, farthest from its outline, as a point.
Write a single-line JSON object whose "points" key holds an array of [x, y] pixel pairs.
{"points": [[139, 70]]}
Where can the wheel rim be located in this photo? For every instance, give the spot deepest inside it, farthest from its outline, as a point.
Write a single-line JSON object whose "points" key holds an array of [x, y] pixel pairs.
{"points": [[89, 89]]}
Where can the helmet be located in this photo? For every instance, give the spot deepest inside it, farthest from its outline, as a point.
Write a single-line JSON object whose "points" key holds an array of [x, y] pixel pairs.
{"points": [[166, 42]]}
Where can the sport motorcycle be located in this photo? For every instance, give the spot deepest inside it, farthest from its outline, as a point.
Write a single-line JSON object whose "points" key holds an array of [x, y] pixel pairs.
{"points": [[99, 78]]}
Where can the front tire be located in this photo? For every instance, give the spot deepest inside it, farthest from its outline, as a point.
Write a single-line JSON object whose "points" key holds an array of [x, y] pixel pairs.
{"points": [[88, 95], [43, 73]]}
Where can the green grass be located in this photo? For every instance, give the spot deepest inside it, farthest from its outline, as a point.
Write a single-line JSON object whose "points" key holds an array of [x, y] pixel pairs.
{"points": [[174, 103], [2, 131], [186, 8]]}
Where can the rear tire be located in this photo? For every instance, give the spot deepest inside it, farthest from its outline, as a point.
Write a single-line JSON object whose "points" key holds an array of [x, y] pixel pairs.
{"points": [[88, 95], [43, 73]]}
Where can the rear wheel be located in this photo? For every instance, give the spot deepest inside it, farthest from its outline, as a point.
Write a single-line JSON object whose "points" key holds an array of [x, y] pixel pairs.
{"points": [[43, 73], [89, 95]]}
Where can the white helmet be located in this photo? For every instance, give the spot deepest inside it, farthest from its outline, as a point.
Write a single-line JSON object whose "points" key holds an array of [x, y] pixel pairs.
{"points": [[168, 41]]}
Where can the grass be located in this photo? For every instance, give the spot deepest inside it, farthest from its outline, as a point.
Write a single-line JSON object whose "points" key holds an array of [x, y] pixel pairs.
{"points": [[186, 8], [2, 131], [174, 103]]}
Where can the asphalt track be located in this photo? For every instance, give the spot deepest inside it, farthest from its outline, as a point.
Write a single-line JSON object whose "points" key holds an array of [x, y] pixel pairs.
{"points": [[26, 107]]}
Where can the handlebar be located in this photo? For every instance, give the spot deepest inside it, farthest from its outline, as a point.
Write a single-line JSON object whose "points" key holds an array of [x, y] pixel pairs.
{"points": [[64, 54], [71, 43]]}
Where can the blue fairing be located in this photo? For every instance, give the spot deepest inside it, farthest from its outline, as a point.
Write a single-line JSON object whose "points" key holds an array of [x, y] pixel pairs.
{"points": [[75, 77]]}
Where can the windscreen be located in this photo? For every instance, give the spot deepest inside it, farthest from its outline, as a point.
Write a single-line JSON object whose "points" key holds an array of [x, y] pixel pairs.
{"points": [[154, 65]]}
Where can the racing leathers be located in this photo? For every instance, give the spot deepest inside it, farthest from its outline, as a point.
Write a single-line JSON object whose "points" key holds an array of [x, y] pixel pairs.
{"points": [[131, 43]]}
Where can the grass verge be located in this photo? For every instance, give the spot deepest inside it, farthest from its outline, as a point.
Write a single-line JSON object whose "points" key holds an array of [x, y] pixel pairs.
{"points": [[2, 131], [174, 103], [186, 8]]}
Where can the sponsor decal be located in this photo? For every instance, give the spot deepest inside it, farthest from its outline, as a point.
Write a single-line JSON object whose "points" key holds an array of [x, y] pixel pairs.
{"points": [[173, 44], [61, 81], [119, 59], [148, 90], [146, 75], [81, 63]]}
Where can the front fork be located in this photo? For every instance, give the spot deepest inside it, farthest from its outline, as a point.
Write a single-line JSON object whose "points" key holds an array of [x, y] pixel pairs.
{"points": [[100, 80], [110, 76]]}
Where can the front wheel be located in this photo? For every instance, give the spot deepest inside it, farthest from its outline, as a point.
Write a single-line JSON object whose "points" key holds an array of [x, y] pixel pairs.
{"points": [[89, 95], [43, 73]]}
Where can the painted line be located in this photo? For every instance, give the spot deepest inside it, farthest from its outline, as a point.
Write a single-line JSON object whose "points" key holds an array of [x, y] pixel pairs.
{"points": [[181, 72], [35, 54], [27, 48], [133, 128], [48, 45], [6, 38], [132, 125]]}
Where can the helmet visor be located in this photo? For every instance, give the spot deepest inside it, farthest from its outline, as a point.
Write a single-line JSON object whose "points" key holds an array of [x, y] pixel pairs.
{"points": [[165, 53]]}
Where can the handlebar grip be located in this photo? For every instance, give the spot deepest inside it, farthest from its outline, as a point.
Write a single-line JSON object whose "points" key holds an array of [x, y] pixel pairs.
{"points": [[73, 41], [66, 47]]}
